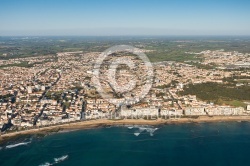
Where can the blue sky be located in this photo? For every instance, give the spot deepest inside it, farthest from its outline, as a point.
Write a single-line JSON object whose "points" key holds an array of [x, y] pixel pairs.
{"points": [[124, 17]]}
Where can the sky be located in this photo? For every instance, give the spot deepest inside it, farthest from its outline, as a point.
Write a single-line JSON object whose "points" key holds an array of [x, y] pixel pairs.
{"points": [[124, 17]]}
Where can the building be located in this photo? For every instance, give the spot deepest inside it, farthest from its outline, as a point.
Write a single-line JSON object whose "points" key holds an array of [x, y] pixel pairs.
{"points": [[248, 107], [195, 111], [29, 89]]}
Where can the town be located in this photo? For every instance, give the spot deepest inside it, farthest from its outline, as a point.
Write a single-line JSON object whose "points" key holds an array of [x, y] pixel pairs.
{"points": [[50, 90]]}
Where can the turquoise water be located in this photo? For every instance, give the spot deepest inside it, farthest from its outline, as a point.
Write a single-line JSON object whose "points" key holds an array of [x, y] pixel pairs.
{"points": [[216, 144]]}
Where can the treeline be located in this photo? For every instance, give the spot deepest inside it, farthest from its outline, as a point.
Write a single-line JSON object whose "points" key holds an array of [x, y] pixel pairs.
{"points": [[215, 92], [22, 64]]}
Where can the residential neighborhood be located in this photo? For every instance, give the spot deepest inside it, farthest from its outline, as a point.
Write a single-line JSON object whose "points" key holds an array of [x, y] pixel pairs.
{"points": [[60, 89]]}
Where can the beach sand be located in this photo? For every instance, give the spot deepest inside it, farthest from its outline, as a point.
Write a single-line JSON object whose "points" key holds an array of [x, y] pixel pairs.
{"points": [[101, 122]]}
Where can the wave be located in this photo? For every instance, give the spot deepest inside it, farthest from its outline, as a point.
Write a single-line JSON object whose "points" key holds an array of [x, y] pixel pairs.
{"points": [[149, 130], [137, 134], [141, 129], [130, 127], [60, 159], [46, 164], [56, 161], [16, 145]]}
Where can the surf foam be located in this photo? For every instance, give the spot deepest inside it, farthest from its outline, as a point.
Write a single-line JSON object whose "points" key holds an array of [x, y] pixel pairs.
{"points": [[56, 161], [60, 159], [16, 145], [149, 130]]}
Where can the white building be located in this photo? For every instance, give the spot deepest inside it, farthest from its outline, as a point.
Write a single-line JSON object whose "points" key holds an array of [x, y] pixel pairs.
{"points": [[248, 107], [168, 113], [195, 111], [225, 111], [43, 88], [29, 89]]}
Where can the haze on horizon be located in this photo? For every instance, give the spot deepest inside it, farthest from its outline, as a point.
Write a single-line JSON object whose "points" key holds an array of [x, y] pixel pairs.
{"points": [[130, 17]]}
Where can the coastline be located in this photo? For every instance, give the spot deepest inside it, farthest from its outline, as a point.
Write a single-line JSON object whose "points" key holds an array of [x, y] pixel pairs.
{"points": [[102, 123]]}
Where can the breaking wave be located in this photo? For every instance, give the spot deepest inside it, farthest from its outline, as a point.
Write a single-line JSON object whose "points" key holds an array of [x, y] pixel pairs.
{"points": [[45, 164], [137, 134], [130, 127], [56, 161], [149, 130], [16, 145], [60, 159]]}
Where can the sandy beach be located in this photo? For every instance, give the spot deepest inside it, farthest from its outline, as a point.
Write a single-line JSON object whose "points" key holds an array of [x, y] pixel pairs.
{"points": [[101, 122]]}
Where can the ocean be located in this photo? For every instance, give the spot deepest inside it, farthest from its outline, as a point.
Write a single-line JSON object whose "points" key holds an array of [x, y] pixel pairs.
{"points": [[206, 144]]}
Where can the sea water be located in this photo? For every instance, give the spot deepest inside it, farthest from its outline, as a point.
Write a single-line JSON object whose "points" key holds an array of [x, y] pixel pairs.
{"points": [[203, 144]]}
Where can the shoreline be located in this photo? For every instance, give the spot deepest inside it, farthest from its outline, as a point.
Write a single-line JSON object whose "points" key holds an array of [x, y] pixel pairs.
{"points": [[102, 123]]}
